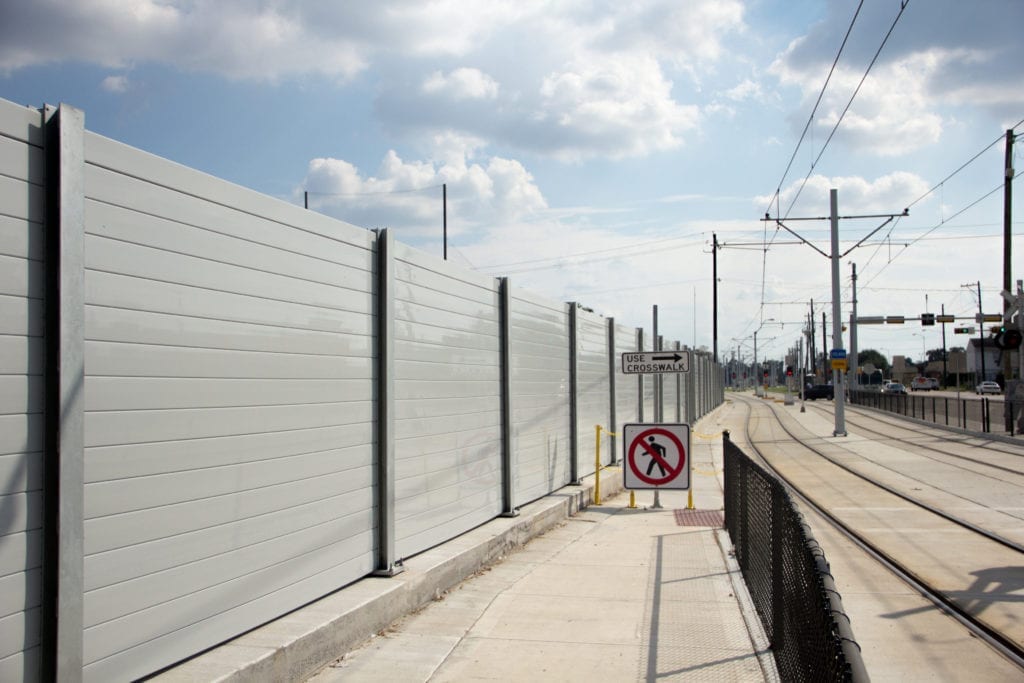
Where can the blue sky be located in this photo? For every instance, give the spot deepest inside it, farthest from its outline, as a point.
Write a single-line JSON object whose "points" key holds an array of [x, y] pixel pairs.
{"points": [[590, 149]]}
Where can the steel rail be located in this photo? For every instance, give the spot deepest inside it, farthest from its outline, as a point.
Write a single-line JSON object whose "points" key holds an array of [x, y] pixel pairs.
{"points": [[998, 641]]}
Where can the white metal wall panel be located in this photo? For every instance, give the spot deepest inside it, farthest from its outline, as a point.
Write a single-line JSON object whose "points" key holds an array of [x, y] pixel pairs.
{"points": [[22, 354], [447, 400], [229, 424], [593, 400], [540, 395], [627, 387]]}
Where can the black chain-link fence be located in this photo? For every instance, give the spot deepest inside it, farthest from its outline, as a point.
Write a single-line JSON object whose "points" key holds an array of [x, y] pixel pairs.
{"points": [[788, 577], [972, 414]]}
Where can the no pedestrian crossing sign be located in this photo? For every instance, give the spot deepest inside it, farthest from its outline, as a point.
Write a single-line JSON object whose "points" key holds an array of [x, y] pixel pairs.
{"points": [[657, 456]]}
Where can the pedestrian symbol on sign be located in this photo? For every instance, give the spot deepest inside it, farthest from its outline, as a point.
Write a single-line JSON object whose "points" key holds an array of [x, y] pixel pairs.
{"points": [[656, 456]]}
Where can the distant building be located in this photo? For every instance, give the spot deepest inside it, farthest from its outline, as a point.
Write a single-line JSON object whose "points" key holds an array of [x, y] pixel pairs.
{"points": [[993, 359], [902, 371]]}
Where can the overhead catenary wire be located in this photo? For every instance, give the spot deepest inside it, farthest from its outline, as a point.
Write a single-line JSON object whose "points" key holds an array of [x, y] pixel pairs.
{"points": [[767, 244], [938, 225], [814, 109], [846, 109]]}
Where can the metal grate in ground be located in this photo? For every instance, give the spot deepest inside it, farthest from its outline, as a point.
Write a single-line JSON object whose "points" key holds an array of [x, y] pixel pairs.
{"points": [[709, 518]]}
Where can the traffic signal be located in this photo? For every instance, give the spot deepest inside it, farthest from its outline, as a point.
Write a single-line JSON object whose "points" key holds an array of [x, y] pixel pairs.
{"points": [[1008, 338], [789, 371], [927, 319]]}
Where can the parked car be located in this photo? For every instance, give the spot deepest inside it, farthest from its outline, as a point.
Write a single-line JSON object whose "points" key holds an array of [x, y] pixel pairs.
{"points": [[815, 391], [894, 388], [988, 387], [924, 384]]}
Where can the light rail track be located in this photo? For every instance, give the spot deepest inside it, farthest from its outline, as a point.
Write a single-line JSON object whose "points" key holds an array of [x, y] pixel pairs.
{"points": [[894, 420], [979, 549]]}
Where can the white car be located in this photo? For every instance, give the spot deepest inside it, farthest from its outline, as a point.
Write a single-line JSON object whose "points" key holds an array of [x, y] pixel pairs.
{"points": [[987, 387]]}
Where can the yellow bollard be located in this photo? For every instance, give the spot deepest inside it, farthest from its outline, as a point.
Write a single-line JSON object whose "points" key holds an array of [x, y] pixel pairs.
{"points": [[597, 464], [632, 500]]}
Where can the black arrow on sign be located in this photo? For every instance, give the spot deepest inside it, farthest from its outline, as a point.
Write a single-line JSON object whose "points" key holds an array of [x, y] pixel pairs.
{"points": [[675, 356]]}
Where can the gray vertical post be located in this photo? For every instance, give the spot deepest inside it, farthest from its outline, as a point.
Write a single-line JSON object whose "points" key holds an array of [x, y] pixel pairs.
{"points": [[660, 378], [387, 563], [640, 377], [574, 446], [656, 346], [63, 459], [679, 391], [851, 374], [612, 367], [691, 389], [837, 332], [508, 446]]}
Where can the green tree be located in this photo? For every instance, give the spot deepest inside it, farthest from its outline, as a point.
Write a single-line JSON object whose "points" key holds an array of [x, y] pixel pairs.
{"points": [[875, 358]]}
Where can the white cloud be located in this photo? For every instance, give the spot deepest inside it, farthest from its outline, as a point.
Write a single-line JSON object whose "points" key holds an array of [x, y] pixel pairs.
{"points": [[587, 80], [618, 106], [406, 194], [953, 54], [115, 84], [462, 84], [887, 194]]}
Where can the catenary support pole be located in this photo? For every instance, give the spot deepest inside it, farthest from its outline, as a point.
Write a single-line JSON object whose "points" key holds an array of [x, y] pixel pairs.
{"points": [[714, 294], [839, 396]]}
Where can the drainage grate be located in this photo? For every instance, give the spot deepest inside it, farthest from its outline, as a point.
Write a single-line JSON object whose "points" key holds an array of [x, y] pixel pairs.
{"points": [[712, 518]]}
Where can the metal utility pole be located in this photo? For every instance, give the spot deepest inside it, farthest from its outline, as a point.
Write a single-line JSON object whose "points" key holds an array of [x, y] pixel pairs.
{"points": [[444, 217], [945, 353], [834, 257], [854, 360], [824, 342], [714, 294], [757, 375], [813, 352], [1007, 241], [981, 332], [839, 396]]}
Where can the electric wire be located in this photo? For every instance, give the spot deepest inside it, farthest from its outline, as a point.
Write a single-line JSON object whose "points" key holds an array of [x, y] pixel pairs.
{"points": [[871, 64], [814, 110]]}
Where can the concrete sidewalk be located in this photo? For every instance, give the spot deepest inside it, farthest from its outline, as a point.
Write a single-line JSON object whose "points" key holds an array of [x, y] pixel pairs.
{"points": [[605, 592]]}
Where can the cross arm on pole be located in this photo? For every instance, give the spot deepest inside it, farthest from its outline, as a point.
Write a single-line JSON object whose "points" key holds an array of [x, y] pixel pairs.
{"points": [[784, 227], [867, 236]]}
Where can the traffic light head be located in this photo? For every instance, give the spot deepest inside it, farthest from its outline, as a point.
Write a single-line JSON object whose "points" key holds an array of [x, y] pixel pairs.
{"points": [[1010, 339]]}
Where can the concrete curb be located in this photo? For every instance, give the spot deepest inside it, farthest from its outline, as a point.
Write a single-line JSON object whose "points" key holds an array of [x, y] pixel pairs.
{"points": [[299, 644]]}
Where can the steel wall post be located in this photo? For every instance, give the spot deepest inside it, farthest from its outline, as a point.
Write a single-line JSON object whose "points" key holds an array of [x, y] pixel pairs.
{"points": [[691, 389], [508, 445], [679, 388], [63, 569], [574, 466], [387, 563], [612, 412], [640, 377]]}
